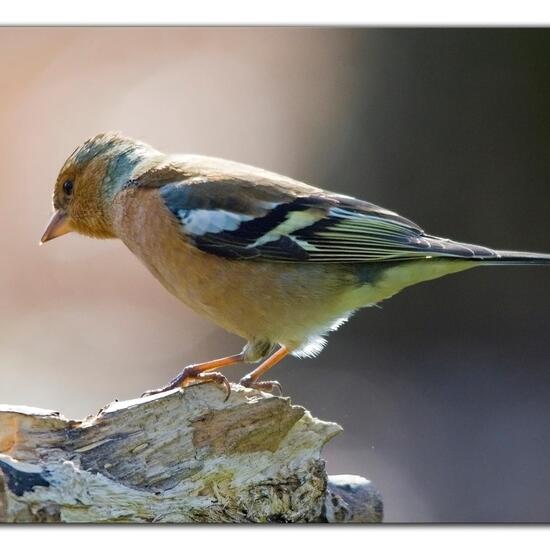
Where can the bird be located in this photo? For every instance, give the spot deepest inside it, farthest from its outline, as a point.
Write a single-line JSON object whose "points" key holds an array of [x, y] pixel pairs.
{"points": [[278, 262]]}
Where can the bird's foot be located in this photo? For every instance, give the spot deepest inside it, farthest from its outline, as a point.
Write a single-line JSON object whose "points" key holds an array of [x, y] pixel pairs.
{"points": [[190, 376], [269, 386]]}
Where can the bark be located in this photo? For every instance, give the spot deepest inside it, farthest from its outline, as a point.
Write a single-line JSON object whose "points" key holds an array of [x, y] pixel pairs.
{"points": [[182, 456]]}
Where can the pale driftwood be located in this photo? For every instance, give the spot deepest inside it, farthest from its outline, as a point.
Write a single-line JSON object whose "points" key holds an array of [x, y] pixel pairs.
{"points": [[182, 456]]}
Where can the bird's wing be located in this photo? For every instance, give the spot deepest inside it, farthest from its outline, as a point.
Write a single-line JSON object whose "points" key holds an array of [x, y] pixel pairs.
{"points": [[243, 220]]}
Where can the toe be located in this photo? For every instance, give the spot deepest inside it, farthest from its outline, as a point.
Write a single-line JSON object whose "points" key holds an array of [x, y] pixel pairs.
{"points": [[189, 376], [155, 391], [216, 377], [269, 386]]}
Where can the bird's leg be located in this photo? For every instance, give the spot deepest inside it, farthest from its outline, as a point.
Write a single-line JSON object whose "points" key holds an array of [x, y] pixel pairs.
{"points": [[251, 379], [200, 373]]}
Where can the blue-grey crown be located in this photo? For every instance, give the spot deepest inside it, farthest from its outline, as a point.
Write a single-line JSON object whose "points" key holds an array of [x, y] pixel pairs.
{"points": [[122, 154]]}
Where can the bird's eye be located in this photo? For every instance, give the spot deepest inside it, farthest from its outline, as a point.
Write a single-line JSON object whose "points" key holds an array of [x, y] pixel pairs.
{"points": [[68, 188]]}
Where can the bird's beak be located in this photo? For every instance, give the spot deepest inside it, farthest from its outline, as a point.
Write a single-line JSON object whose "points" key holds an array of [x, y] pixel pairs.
{"points": [[58, 225]]}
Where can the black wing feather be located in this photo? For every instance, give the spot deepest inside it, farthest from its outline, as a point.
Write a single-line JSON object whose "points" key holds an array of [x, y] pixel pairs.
{"points": [[316, 228]]}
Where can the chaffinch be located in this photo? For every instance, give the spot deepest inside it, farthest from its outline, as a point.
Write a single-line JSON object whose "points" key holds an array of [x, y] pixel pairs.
{"points": [[273, 260]]}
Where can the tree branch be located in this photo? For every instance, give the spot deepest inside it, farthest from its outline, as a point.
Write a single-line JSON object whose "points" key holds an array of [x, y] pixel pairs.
{"points": [[182, 456]]}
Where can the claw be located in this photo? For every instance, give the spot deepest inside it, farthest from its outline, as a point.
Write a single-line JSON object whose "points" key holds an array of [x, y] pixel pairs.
{"points": [[155, 391], [276, 385], [262, 385], [216, 377], [188, 377]]}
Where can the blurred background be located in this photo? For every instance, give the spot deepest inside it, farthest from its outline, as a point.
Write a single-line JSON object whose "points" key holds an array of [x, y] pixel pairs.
{"points": [[444, 392]]}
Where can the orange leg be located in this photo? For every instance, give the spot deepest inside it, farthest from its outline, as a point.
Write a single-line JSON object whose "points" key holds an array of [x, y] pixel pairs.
{"points": [[200, 373], [251, 379]]}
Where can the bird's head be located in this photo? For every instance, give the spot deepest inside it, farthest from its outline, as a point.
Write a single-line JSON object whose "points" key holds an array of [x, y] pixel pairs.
{"points": [[88, 182]]}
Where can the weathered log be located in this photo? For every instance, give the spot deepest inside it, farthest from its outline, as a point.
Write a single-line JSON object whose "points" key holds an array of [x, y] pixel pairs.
{"points": [[182, 456]]}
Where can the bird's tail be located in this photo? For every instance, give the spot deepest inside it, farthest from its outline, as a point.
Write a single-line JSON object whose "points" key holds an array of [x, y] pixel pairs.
{"points": [[480, 255], [445, 257], [512, 257]]}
